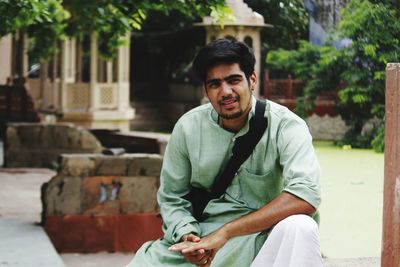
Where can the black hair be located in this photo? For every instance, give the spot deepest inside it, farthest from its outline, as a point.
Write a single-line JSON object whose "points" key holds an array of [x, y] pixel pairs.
{"points": [[225, 50]]}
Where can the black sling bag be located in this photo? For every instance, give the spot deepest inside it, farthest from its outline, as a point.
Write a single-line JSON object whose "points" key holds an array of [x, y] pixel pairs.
{"points": [[242, 149]]}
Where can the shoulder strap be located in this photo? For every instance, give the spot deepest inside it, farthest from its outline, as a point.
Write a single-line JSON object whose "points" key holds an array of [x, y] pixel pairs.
{"points": [[242, 149]]}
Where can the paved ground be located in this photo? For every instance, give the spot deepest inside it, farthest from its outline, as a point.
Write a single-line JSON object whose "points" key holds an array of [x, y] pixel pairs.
{"points": [[23, 242], [350, 228]]}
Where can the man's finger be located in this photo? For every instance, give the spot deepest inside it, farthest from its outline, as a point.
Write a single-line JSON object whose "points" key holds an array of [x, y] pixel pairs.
{"points": [[191, 237], [191, 248], [179, 246], [205, 263], [196, 252]]}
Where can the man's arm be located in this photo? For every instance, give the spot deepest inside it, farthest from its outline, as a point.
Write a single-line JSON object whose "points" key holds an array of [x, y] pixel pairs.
{"points": [[174, 184], [278, 209]]}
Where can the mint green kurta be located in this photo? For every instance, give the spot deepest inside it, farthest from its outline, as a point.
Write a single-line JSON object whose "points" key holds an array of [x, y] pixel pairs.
{"points": [[283, 160]]}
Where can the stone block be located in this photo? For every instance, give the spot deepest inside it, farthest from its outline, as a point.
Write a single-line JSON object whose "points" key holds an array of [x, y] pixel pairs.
{"points": [[79, 233], [47, 142], [77, 165], [29, 134], [111, 165], [101, 194], [13, 141], [135, 229], [61, 135], [74, 139], [84, 234], [139, 194], [52, 193], [106, 195], [89, 141], [64, 196], [46, 138], [145, 165], [17, 158]]}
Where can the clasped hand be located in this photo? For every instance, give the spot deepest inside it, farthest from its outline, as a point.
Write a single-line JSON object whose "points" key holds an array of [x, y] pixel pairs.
{"points": [[200, 251]]}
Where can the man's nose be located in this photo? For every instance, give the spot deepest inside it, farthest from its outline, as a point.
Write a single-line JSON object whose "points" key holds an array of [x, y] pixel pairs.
{"points": [[226, 88]]}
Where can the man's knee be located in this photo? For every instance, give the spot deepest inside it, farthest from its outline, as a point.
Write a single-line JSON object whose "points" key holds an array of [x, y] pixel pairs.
{"points": [[299, 224]]}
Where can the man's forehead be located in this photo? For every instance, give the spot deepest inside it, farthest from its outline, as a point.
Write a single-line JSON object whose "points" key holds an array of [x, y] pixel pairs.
{"points": [[224, 70]]}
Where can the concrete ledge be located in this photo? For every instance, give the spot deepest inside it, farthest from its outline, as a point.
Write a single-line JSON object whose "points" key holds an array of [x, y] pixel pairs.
{"points": [[81, 233]]}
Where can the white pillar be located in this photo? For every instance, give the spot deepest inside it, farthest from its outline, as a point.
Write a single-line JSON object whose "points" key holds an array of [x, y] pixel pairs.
{"points": [[93, 72], [25, 60], [123, 77], [5, 55]]}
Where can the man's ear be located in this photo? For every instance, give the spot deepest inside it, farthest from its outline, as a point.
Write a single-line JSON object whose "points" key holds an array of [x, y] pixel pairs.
{"points": [[253, 80], [205, 92]]}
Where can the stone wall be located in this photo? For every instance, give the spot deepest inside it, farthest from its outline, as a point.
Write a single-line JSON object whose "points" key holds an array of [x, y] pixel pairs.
{"points": [[326, 127], [39, 144], [103, 203]]}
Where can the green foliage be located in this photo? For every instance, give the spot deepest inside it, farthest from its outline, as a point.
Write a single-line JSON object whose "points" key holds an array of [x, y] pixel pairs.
{"points": [[45, 34], [378, 141], [374, 29], [319, 66], [44, 20], [114, 19], [48, 21], [289, 18]]}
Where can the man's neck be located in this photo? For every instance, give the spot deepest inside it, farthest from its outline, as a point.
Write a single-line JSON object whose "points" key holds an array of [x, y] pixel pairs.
{"points": [[234, 125]]}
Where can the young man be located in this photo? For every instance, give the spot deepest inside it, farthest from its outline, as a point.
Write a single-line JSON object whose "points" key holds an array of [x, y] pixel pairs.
{"points": [[264, 216]]}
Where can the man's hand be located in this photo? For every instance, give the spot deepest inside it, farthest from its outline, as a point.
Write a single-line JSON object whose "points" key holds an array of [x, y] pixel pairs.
{"points": [[199, 257], [209, 245]]}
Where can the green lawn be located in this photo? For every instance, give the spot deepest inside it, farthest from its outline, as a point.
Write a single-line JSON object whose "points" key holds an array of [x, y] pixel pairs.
{"points": [[352, 199]]}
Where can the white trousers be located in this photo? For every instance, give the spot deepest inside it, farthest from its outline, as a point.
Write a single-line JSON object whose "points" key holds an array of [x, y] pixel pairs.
{"points": [[294, 242]]}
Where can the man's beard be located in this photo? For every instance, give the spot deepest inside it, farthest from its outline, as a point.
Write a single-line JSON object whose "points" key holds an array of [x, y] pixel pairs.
{"points": [[231, 116]]}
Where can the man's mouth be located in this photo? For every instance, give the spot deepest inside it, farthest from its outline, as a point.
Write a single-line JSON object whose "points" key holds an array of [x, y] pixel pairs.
{"points": [[228, 103]]}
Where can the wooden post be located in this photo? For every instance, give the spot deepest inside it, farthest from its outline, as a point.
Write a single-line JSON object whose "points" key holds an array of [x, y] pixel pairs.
{"points": [[391, 210]]}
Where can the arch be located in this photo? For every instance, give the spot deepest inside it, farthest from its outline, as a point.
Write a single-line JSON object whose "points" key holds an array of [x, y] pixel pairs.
{"points": [[248, 40], [230, 37]]}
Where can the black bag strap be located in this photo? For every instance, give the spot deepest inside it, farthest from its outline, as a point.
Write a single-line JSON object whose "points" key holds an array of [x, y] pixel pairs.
{"points": [[242, 149]]}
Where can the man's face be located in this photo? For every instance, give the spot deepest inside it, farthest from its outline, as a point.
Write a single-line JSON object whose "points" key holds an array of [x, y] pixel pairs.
{"points": [[229, 91]]}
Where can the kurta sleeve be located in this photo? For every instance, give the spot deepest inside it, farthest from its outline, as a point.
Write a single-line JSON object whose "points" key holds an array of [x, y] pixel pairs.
{"points": [[301, 171], [174, 184]]}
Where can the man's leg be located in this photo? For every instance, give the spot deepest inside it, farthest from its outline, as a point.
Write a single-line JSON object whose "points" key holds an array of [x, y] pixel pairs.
{"points": [[294, 242]]}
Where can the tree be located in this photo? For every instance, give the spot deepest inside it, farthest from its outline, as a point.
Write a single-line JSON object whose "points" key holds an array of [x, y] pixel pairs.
{"points": [[51, 20], [374, 29], [289, 18], [45, 19]]}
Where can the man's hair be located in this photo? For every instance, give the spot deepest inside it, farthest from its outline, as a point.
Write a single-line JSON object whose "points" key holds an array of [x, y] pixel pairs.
{"points": [[224, 51]]}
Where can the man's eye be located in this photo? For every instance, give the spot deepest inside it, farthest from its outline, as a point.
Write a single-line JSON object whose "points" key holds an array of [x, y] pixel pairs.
{"points": [[213, 85], [234, 81]]}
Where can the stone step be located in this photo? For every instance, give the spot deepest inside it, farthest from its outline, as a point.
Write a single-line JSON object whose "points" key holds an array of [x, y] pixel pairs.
{"points": [[149, 117], [25, 244]]}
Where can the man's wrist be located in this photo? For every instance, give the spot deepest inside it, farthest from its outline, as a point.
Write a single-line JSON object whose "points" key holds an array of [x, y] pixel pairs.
{"points": [[226, 231]]}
